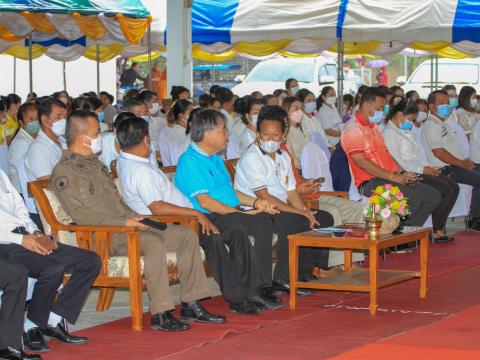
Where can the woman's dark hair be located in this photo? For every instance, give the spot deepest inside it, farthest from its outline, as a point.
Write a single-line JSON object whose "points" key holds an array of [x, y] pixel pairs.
{"points": [[279, 92], [109, 96], [122, 116], [203, 101], [287, 102], [180, 107], [397, 104], [325, 91], [130, 94], [145, 96], [23, 109], [288, 82], [302, 94], [410, 93], [192, 114], [213, 100], [359, 94], [464, 98], [90, 103], [267, 98], [241, 104], [272, 113], [12, 99], [449, 87], [177, 90], [3, 104], [421, 101], [224, 95], [349, 98], [395, 88], [250, 103], [131, 131], [213, 89], [411, 109], [203, 121]]}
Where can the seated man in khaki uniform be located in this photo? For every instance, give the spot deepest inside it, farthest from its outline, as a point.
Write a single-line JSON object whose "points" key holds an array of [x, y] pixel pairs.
{"points": [[88, 194]]}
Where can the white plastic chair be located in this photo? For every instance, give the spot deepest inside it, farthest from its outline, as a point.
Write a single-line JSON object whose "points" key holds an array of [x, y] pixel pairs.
{"points": [[163, 147], [318, 139], [315, 164], [29, 202], [462, 205]]}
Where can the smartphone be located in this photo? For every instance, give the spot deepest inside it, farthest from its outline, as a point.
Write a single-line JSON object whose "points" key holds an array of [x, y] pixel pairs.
{"points": [[320, 180], [154, 224]]}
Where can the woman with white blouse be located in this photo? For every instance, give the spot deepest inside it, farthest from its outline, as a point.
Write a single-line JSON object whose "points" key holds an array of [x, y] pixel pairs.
{"points": [[249, 119], [467, 112], [404, 149], [328, 115]]}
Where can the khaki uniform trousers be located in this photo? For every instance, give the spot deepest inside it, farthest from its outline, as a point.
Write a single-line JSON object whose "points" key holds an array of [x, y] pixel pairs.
{"points": [[154, 244]]}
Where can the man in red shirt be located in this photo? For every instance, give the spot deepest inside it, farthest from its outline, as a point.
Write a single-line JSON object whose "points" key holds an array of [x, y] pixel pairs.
{"points": [[372, 165]]}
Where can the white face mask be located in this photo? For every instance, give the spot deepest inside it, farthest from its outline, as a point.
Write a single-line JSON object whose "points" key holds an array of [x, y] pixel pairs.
{"points": [[95, 145], [270, 146], [294, 90], [58, 127], [254, 119], [421, 117], [473, 103], [155, 108], [332, 100]]}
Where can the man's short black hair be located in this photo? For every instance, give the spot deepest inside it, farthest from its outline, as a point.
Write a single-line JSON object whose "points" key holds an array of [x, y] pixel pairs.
{"points": [[122, 116], [77, 124], [224, 95], [46, 107], [131, 131], [129, 104], [370, 95], [433, 96], [272, 113], [134, 64], [203, 121]]}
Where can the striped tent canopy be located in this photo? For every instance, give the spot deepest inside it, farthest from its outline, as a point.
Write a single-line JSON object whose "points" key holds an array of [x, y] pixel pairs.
{"points": [[68, 29], [223, 29]]}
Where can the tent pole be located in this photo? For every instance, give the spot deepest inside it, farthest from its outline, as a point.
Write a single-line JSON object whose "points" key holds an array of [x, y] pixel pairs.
{"points": [[340, 76], [14, 75], [431, 73], [30, 62], [98, 68], [149, 39], [436, 72], [405, 66], [64, 70]]}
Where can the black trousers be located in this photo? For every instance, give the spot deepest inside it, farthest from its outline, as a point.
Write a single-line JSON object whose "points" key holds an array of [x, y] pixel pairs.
{"points": [[472, 178], [448, 189], [83, 265], [423, 199], [13, 282], [286, 224], [237, 269]]}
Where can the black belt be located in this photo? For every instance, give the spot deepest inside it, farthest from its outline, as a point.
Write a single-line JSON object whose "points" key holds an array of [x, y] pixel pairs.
{"points": [[20, 230]]}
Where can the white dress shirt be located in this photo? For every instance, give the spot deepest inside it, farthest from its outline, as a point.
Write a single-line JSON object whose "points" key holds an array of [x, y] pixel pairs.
{"points": [[329, 118], [109, 153], [466, 119], [41, 157], [177, 142], [143, 183], [256, 170], [403, 148], [18, 148], [155, 125], [230, 121], [247, 139], [163, 147], [475, 143], [13, 213], [437, 134]]}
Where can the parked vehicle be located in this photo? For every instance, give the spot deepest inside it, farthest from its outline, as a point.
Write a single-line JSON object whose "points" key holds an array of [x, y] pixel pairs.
{"points": [[456, 72], [312, 73]]}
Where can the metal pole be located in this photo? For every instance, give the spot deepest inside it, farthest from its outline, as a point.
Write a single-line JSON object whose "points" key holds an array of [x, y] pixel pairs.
{"points": [[436, 72], [14, 75], [30, 62], [149, 44], [431, 73], [98, 68], [405, 66], [340, 76], [64, 70]]}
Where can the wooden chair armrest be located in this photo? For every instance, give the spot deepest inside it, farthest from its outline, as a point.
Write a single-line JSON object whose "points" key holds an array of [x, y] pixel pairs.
{"points": [[173, 219], [342, 194], [95, 228]]}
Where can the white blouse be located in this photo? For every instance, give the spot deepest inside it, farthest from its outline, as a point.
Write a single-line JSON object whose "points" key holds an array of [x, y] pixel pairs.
{"points": [[467, 119]]}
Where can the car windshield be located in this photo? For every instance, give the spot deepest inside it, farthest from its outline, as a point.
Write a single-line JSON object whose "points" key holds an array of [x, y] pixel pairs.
{"points": [[281, 71], [448, 74]]}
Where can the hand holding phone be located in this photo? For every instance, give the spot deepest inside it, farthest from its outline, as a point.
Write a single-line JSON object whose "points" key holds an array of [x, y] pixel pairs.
{"points": [[319, 180]]}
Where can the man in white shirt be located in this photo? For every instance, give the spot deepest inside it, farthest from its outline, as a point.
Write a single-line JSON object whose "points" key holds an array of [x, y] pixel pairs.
{"points": [[443, 150], [23, 243], [227, 101], [265, 172], [148, 191], [30, 126]]}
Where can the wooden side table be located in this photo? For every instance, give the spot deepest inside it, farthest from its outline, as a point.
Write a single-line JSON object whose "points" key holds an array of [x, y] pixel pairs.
{"points": [[362, 280]]}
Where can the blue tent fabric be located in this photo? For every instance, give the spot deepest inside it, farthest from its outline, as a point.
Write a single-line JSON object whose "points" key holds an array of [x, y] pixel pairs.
{"points": [[466, 25]]}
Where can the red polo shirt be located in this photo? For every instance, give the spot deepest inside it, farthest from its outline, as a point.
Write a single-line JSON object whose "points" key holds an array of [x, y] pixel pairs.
{"points": [[362, 137]]}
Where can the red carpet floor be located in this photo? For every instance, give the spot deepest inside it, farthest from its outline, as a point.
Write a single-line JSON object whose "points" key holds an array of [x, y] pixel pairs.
{"points": [[325, 325]]}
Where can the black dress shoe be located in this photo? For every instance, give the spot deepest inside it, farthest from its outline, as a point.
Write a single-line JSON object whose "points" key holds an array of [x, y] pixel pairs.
{"points": [[263, 303], [10, 353], [474, 224], [268, 293], [61, 335], [165, 321], [194, 311], [285, 288], [443, 239], [34, 341], [244, 307]]}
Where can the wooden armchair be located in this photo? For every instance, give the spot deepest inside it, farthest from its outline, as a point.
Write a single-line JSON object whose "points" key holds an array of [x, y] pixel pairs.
{"points": [[98, 239]]}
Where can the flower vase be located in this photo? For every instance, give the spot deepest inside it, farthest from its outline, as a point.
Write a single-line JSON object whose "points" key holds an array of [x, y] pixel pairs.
{"points": [[373, 225], [389, 225]]}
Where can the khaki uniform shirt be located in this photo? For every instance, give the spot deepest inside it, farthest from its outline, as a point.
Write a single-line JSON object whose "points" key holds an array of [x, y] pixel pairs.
{"points": [[87, 192]]}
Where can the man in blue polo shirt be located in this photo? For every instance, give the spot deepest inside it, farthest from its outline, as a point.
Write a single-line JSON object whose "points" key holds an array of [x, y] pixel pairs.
{"points": [[203, 178]]}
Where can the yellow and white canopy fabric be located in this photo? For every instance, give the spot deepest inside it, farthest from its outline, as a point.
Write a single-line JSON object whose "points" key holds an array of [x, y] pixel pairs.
{"points": [[223, 29], [68, 29]]}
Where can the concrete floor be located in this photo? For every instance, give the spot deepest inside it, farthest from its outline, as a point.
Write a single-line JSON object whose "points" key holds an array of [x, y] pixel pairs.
{"points": [[121, 302]]}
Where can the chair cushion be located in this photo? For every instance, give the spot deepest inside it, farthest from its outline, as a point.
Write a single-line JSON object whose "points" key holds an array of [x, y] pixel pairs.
{"points": [[118, 266]]}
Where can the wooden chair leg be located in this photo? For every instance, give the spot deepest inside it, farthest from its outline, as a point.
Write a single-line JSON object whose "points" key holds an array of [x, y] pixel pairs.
{"points": [[105, 298], [136, 282]]}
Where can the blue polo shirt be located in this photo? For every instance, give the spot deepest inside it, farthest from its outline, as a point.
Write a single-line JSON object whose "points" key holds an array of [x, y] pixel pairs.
{"points": [[199, 173]]}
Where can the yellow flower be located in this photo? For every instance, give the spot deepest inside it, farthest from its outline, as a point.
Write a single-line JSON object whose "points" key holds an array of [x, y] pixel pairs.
{"points": [[379, 190], [374, 199], [403, 202], [395, 204], [395, 190]]}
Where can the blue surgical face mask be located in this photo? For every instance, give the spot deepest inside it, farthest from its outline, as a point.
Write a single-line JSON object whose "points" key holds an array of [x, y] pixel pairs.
{"points": [[101, 116], [386, 109], [444, 110], [310, 107], [453, 102], [406, 125]]}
